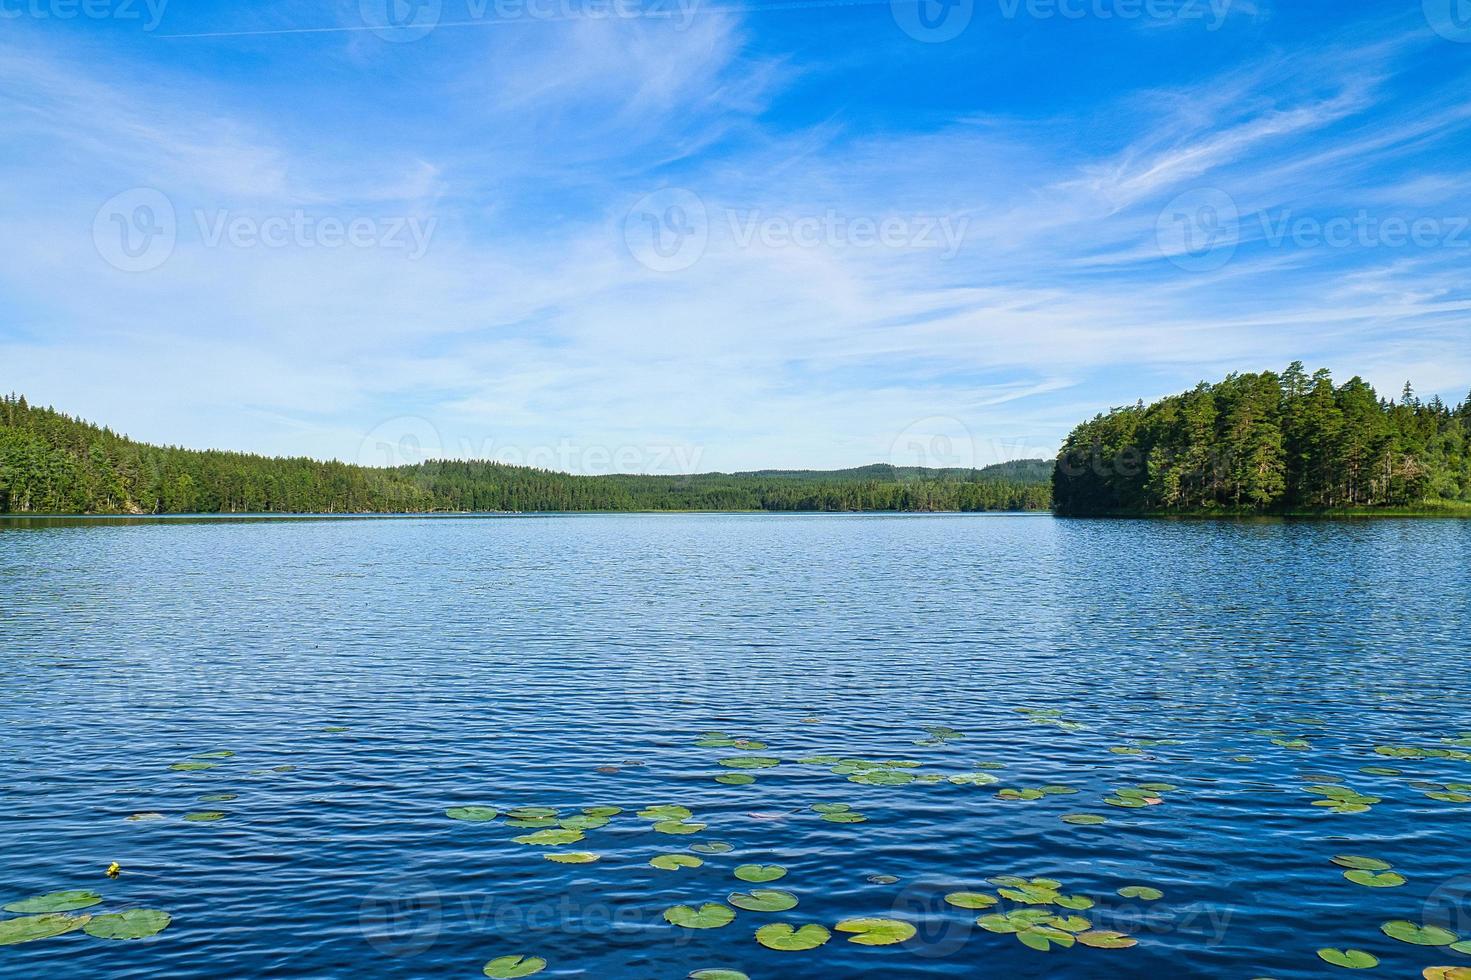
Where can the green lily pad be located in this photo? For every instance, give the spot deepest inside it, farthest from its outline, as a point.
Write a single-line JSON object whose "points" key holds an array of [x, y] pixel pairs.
{"points": [[1125, 801], [763, 900], [1030, 894], [735, 778], [1361, 863], [1074, 924], [881, 879], [786, 937], [148, 815], [531, 813], [718, 975], [665, 812], [512, 967], [192, 766], [602, 811], [32, 927], [711, 847], [1409, 932], [473, 814], [678, 827], [56, 902], [1350, 959], [749, 762], [707, 916], [222, 754], [1075, 902], [572, 857], [1106, 939], [1462, 947], [1019, 794], [845, 817], [132, 924], [973, 779], [760, 873], [1387, 879], [531, 823], [582, 821], [1084, 819], [1379, 771], [550, 837], [673, 862], [1142, 892], [204, 816], [1043, 938], [830, 807], [218, 797], [882, 778], [876, 932], [970, 900], [334, 729]]}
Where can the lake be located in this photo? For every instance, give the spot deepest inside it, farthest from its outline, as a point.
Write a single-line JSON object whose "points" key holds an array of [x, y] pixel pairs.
{"points": [[972, 680]]}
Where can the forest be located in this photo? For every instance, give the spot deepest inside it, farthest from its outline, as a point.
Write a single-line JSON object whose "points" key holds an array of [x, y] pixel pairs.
{"points": [[51, 463], [1269, 443]]}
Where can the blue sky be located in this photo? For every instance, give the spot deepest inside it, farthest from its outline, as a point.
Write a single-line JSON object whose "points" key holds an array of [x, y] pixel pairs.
{"points": [[671, 235]]}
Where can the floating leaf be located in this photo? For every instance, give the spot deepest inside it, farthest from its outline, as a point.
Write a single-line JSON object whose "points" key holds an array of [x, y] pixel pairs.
{"points": [[531, 813], [531, 823], [673, 862], [1409, 932], [1361, 863], [218, 797], [512, 967], [572, 857], [760, 873], [474, 814], [830, 807], [1142, 892], [1350, 959], [132, 924], [735, 778], [711, 847], [784, 936], [150, 815], [876, 932], [763, 900], [1070, 923], [1125, 801], [678, 827], [718, 975], [707, 916], [550, 837], [1043, 938], [882, 778], [882, 879], [749, 762], [1084, 819], [1075, 902], [32, 927], [973, 779], [1106, 939], [56, 902], [582, 821], [602, 811], [1447, 973], [665, 812], [1388, 879], [970, 900], [192, 766], [222, 754], [204, 816], [846, 817]]}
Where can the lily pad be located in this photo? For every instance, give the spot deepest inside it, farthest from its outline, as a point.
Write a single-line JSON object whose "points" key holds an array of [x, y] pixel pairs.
{"points": [[718, 975], [192, 766], [1446, 973], [735, 778], [876, 932], [56, 902], [665, 811], [760, 873], [846, 817], [763, 900], [1387, 879], [1409, 932], [582, 821], [602, 811], [711, 847], [830, 807], [148, 815], [218, 797], [572, 857], [1043, 938], [514, 966], [1106, 939], [550, 837], [1084, 819], [222, 754], [204, 816], [786, 937], [473, 814], [1349, 959], [970, 900], [678, 827], [531, 813], [882, 879], [673, 862], [32, 927], [131, 924], [1142, 892], [1361, 863], [749, 762], [707, 916]]}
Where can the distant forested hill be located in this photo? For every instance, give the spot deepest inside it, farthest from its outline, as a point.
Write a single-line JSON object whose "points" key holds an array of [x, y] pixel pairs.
{"points": [[51, 463], [1268, 443]]}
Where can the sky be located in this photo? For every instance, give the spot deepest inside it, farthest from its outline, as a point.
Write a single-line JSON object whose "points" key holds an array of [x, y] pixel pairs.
{"points": [[678, 235]]}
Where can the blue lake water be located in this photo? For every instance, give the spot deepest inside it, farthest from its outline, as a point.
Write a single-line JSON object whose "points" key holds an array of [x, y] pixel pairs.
{"points": [[573, 662]]}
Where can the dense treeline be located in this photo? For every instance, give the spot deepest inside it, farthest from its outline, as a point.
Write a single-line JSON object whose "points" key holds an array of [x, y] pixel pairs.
{"points": [[53, 464], [1268, 443]]}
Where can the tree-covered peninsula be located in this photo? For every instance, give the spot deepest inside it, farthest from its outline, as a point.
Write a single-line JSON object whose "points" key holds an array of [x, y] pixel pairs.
{"points": [[51, 463], [1270, 443]]}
